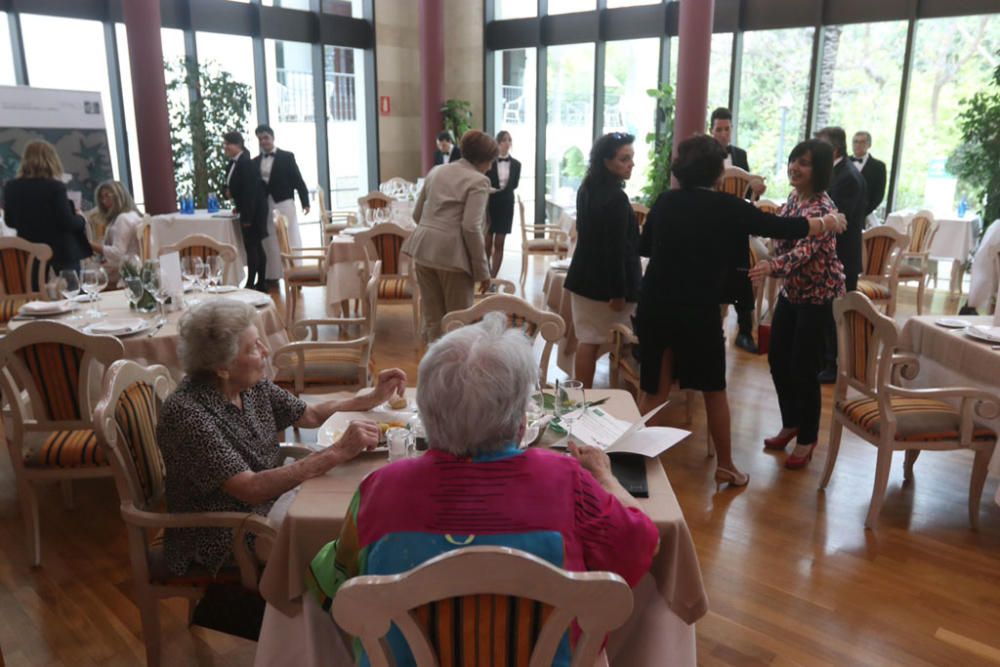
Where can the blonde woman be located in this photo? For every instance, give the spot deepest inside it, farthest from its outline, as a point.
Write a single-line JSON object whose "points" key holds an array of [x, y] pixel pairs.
{"points": [[36, 205], [117, 212]]}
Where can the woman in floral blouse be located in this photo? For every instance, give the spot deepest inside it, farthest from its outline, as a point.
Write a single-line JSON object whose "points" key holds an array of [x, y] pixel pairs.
{"points": [[814, 277]]}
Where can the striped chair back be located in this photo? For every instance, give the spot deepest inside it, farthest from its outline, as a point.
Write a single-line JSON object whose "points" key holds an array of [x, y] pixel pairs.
{"points": [[484, 606], [145, 233], [922, 231], [880, 247], [54, 371], [281, 231], [736, 182], [387, 249], [374, 200], [23, 266], [866, 339], [203, 252], [640, 211], [203, 246], [136, 412]]}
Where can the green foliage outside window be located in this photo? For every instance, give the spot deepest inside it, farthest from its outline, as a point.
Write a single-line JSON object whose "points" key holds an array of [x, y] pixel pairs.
{"points": [[456, 116], [976, 161], [660, 144], [218, 105]]}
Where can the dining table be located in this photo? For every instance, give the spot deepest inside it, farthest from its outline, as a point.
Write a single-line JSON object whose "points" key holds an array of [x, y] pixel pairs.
{"points": [[668, 600], [148, 344], [955, 240], [949, 356], [171, 228]]}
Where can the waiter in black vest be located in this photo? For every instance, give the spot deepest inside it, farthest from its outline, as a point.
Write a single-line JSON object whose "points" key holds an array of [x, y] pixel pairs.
{"points": [[280, 172], [721, 128], [504, 176]]}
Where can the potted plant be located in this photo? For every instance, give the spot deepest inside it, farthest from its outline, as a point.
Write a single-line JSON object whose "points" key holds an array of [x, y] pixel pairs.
{"points": [[661, 143], [456, 115]]}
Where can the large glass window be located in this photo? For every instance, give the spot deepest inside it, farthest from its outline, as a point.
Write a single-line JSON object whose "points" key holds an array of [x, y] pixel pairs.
{"points": [[7, 75], [859, 82], [233, 54], [570, 108], [516, 111], [345, 122], [341, 7], [952, 59], [631, 68], [78, 63], [720, 69], [773, 101], [515, 9], [630, 3], [571, 6], [292, 111], [172, 43]]}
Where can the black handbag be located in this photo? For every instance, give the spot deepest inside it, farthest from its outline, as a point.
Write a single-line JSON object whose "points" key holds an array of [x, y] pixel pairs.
{"points": [[232, 609]]}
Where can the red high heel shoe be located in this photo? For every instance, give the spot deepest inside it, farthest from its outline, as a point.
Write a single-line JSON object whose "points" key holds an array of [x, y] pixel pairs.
{"points": [[780, 441], [798, 462]]}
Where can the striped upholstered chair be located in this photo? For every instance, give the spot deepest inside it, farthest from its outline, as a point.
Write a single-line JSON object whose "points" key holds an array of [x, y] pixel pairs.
{"points": [[892, 418], [371, 202], [125, 423], [144, 232], [511, 600], [384, 243], [736, 182], [309, 363], [520, 314], [45, 374], [882, 251], [915, 262], [23, 267], [302, 267], [204, 246]]}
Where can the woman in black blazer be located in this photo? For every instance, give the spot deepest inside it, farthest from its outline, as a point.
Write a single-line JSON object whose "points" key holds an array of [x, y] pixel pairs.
{"points": [[504, 175], [695, 237], [604, 274], [249, 195], [36, 205]]}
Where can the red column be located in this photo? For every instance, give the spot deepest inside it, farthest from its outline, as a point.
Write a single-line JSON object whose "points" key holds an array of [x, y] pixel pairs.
{"points": [[431, 76], [149, 92], [693, 55]]}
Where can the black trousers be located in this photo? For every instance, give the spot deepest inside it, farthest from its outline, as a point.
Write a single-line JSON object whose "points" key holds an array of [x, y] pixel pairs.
{"points": [[796, 356], [256, 262]]}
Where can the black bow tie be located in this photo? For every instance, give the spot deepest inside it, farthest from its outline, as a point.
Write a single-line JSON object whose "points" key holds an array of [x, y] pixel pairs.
{"points": [[503, 159], [269, 154], [857, 159]]}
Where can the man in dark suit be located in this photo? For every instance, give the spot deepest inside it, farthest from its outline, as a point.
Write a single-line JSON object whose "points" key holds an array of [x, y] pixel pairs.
{"points": [[850, 193], [281, 175], [504, 175], [871, 169], [446, 151], [721, 128], [244, 187]]}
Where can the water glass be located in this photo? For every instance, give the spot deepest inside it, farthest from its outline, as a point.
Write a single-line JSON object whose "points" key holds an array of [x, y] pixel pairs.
{"points": [[192, 268], [570, 397], [69, 287], [89, 281], [152, 280], [400, 441], [133, 290], [216, 267]]}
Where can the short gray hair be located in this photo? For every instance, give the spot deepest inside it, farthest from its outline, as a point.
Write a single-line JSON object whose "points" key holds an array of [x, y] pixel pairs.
{"points": [[474, 385], [210, 334]]}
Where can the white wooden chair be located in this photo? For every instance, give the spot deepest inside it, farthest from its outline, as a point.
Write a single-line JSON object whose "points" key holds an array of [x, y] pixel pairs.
{"points": [[45, 374], [520, 314], [204, 246], [497, 286], [144, 232], [384, 243], [23, 269], [373, 201], [736, 181], [332, 222], [458, 582], [302, 267], [915, 260], [125, 422], [892, 418], [308, 362], [540, 240], [882, 251]]}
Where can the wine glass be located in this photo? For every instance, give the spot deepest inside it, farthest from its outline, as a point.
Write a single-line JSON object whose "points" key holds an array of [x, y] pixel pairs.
{"points": [[69, 287], [216, 267], [102, 283], [570, 397], [192, 269], [134, 289], [89, 281], [152, 280]]}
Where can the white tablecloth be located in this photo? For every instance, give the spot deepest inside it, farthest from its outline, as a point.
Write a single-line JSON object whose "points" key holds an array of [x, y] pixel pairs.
{"points": [[171, 228], [955, 239], [949, 358], [983, 280]]}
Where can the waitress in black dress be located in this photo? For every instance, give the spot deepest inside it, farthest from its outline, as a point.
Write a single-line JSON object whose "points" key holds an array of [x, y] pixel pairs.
{"points": [[695, 238], [249, 195], [504, 176]]}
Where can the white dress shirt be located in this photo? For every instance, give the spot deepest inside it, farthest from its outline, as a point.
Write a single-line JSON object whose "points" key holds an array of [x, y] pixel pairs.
{"points": [[861, 165], [266, 162], [503, 172]]}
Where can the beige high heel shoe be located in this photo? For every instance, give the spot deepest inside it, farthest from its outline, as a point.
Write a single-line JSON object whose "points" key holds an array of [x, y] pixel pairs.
{"points": [[730, 477]]}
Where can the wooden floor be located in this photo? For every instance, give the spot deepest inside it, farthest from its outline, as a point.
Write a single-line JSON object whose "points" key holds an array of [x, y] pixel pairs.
{"points": [[792, 576]]}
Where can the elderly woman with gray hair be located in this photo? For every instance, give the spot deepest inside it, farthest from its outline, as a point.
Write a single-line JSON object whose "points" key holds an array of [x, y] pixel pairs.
{"points": [[219, 430], [476, 486]]}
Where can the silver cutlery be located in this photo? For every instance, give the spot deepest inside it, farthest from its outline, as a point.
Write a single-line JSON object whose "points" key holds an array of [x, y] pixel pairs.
{"points": [[159, 325]]}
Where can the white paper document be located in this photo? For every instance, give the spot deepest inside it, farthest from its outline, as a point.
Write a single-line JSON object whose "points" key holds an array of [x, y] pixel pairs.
{"points": [[598, 428]]}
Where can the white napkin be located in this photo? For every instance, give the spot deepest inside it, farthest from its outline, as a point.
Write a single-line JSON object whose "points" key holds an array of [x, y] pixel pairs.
{"points": [[116, 326], [44, 307], [253, 298]]}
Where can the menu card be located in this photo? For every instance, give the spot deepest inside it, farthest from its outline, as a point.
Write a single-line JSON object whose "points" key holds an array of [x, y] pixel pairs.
{"points": [[170, 274], [597, 428]]}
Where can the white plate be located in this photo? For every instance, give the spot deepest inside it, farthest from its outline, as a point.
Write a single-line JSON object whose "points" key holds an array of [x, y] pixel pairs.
{"points": [[222, 289], [117, 326], [41, 308], [984, 333], [253, 298], [952, 323], [334, 427], [355, 230]]}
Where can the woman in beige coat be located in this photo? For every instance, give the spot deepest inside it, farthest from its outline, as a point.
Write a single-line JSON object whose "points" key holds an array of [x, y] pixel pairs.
{"points": [[447, 247]]}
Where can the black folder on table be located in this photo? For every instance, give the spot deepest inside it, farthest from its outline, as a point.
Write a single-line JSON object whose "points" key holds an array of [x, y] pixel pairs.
{"points": [[630, 470]]}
